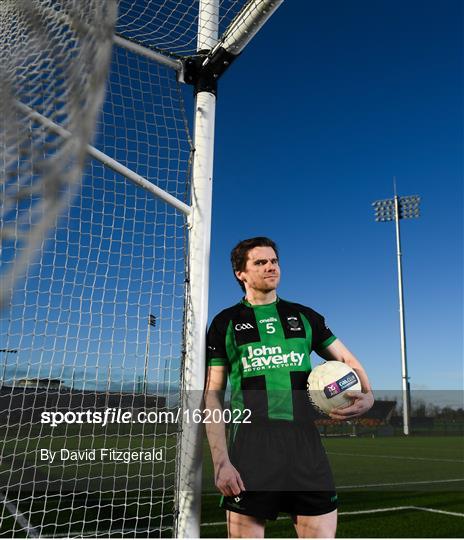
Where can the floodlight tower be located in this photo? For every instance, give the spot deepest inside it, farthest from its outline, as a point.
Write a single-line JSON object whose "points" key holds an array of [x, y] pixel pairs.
{"points": [[394, 210]]}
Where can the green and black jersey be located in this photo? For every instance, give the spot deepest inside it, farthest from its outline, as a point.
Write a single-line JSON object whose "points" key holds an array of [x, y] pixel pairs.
{"points": [[266, 349]]}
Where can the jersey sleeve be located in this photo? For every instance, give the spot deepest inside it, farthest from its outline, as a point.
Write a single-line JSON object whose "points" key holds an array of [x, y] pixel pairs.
{"points": [[322, 336], [216, 354]]}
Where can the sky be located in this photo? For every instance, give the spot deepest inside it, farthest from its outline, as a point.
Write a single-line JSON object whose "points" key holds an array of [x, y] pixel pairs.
{"points": [[328, 103]]}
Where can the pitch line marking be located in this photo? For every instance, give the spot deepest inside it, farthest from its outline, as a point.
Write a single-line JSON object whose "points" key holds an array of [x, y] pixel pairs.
{"points": [[214, 494], [422, 508], [372, 511], [19, 517], [401, 483], [396, 457], [436, 511]]}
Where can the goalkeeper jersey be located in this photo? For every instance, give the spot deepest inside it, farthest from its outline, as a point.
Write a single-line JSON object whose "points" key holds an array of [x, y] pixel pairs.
{"points": [[266, 349]]}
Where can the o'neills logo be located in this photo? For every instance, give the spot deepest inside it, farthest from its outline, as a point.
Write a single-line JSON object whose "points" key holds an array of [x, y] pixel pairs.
{"points": [[270, 358]]}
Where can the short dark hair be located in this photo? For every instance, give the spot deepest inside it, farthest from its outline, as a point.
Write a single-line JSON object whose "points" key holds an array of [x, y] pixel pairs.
{"points": [[239, 255]]}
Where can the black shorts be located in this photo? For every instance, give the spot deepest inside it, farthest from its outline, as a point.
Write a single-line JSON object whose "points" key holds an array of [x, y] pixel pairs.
{"points": [[284, 468], [268, 505]]}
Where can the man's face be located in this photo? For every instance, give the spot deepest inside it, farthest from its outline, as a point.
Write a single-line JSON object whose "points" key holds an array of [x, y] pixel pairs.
{"points": [[262, 272]]}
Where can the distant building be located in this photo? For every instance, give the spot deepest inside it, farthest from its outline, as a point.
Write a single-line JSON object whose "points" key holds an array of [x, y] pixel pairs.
{"points": [[46, 384]]}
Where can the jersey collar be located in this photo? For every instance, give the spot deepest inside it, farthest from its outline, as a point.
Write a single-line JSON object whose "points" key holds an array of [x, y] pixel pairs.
{"points": [[246, 303]]}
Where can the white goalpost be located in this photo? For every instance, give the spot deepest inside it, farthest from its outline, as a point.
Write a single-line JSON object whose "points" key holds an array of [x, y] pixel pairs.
{"points": [[105, 238]]}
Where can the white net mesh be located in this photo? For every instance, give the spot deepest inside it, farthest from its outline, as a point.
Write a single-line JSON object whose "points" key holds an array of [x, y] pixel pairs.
{"points": [[170, 25], [96, 324], [94, 329], [53, 62]]}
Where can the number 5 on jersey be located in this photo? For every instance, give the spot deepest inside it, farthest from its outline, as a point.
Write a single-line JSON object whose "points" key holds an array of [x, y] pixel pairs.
{"points": [[270, 328]]}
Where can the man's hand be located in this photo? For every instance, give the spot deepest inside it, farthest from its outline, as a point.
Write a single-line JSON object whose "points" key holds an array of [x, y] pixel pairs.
{"points": [[228, 480], [362, 402], [226, 476]]}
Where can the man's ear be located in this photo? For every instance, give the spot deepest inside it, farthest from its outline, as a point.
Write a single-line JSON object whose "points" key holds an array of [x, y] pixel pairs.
{"points": [[239, 275]]}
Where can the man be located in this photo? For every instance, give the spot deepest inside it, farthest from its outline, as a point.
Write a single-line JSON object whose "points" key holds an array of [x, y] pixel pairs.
{"points": [[276, 461]]}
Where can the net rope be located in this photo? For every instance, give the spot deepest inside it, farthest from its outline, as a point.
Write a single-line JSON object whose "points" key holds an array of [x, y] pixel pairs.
{"points": [[170, 25], [96, 323]]}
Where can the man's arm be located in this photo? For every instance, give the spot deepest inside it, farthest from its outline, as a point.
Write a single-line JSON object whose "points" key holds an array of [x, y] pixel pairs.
{"points": [[226, 476], [362, 401]]}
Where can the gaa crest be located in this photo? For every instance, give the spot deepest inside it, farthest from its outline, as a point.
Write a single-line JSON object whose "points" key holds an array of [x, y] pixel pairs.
{"points": [[293, 323]]}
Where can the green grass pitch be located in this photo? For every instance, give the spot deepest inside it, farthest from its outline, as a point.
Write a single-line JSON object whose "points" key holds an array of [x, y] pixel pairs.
{"points": [[388, 488], [63, 499]]}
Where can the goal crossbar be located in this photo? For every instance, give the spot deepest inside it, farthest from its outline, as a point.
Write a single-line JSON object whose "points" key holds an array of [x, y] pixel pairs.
{"points": [[117, 261], [132, 46], [111, 163], [126, 43], [247, 23]]}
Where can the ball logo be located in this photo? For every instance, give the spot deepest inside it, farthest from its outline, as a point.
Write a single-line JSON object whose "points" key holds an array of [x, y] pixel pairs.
{"points": [[334, 388], [243, 326]]}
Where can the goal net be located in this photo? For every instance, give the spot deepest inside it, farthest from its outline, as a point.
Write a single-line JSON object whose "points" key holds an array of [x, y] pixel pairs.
{"points": [[91, 345]]}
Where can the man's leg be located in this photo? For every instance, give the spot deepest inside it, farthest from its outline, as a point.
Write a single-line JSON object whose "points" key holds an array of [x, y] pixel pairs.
{"points": [[241, 526], [323, 526]]}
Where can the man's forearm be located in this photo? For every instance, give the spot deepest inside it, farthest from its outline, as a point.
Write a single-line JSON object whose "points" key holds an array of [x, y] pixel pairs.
{"points": [[216, 431], [338, 351], [354, 363]]}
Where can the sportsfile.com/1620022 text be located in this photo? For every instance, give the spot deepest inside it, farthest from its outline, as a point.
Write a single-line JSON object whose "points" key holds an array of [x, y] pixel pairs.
{"points": [[113, 415]]}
